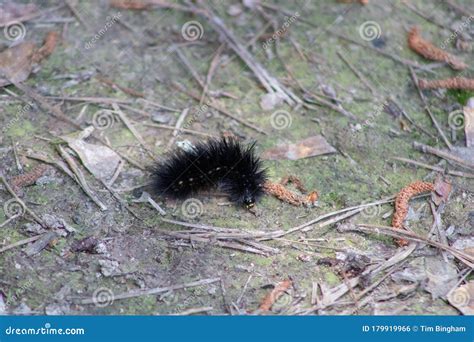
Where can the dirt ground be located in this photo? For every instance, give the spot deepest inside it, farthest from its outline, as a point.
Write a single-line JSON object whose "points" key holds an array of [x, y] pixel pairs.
{"points": [[129, 259]]}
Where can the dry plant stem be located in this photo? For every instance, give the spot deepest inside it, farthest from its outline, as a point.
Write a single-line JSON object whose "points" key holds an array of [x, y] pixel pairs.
{"points": [[18, 199], [435, 168], [63, 167], [429, 51], [76, 13], [212, 103], [57, 113], [79, 177], [194, 311], [21, 242], [188, 65], [29, 16], [406, 116], [357, 73], [448, 83], [445, 155], [131, 127], [211, 71], [156, 290], [98, 100], [329, 104], [332, 295], [178, 125], [428, 110], [435, 22], [9, 220], [127, 91], [270, 83]]}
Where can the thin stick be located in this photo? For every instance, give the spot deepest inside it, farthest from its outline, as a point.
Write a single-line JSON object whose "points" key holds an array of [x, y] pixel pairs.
{"points": [[79, 177], [316, 99], [9, 220], [194, 311], [179, 122], [180, 129], [57, 113], [406, 234], [392, 56], [131, 127], [212, 103], [18, 199], [21, 242], [156, 290]]}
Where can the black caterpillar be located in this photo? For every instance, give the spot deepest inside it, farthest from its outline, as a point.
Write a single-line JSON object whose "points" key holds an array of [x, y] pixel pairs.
{"points": [[223, 163]]}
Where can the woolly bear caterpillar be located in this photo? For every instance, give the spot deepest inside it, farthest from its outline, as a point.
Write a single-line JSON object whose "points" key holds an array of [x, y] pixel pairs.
{"points": [[223, 163]]}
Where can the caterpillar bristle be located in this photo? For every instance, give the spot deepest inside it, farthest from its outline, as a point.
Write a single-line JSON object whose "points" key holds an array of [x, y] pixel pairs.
{"points": [[224, 163]]}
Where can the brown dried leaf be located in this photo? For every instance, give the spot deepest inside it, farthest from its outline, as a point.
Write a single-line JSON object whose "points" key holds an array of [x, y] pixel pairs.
{"points": [[309, 147], [17, 62], [273, 296]]}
